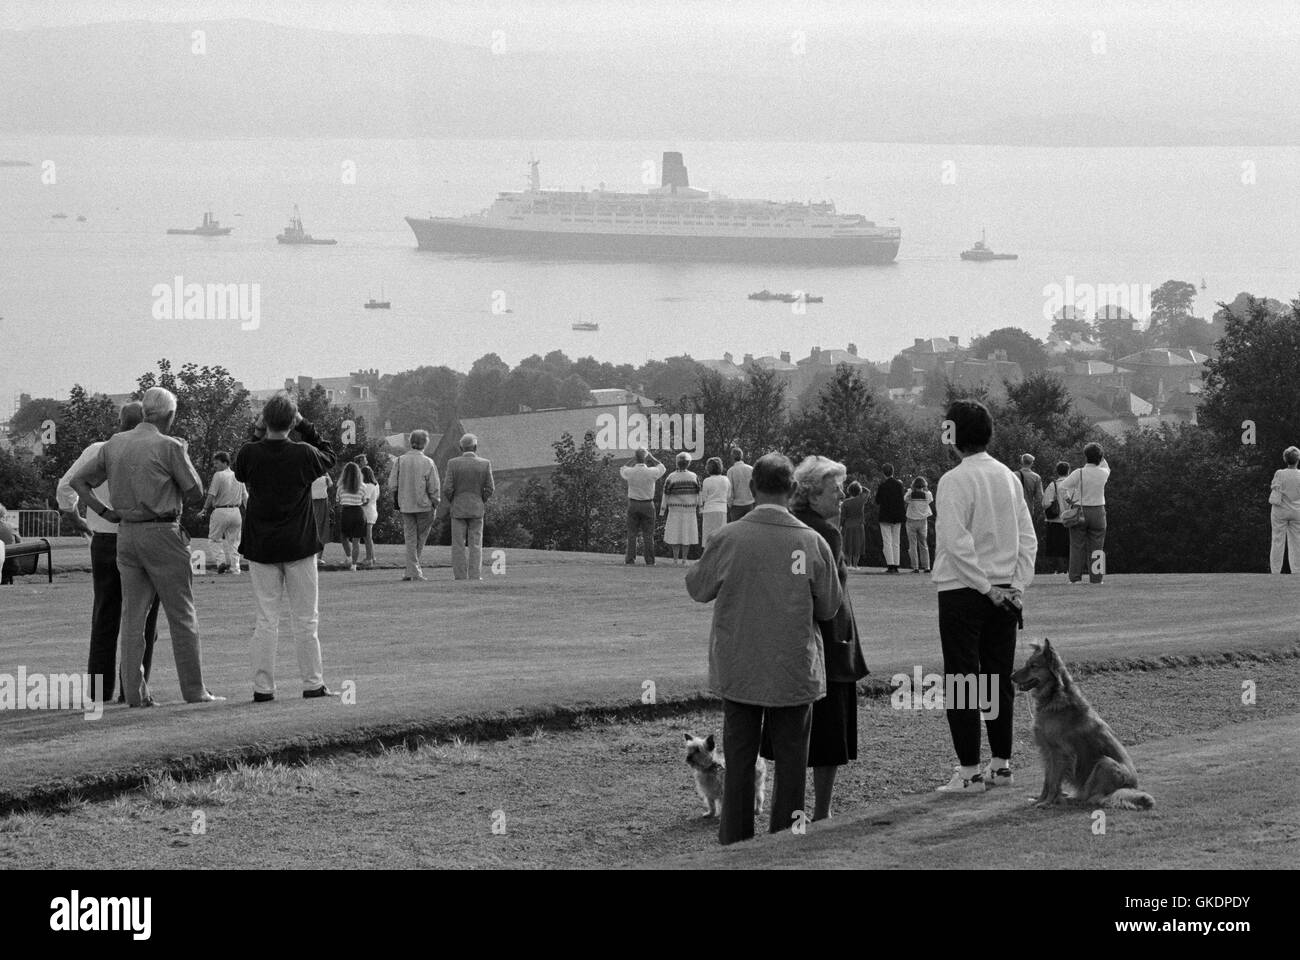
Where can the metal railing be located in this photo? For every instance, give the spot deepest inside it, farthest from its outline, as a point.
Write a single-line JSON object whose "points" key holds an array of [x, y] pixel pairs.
{"points": [[37, 523]]}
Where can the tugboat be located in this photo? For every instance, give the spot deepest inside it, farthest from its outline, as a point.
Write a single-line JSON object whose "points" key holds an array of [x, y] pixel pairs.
{"points": [[981, 252], [785, 297], [81, 218], [59, 216], [766, 294], [210, 227], [1202, 283], [295, 234], [373, 304], [586, 325]]}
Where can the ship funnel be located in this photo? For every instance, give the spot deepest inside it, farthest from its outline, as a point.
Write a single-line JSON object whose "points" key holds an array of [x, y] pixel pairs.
{"points": [[674, 170]]}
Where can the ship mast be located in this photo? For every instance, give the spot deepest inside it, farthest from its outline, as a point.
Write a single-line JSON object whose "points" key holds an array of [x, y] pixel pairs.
{"points": [[534, 178]]}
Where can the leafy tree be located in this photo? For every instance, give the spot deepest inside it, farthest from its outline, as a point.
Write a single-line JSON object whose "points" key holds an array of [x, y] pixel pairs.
{"points": [[32, 414], [1170, 301], [86, 418], [671, 378], [748, 413], [580, 510], [847, 423], [1069, 322], [22, 481], [483, 392], [1117, 333], [1020, 346], [423, 398]]}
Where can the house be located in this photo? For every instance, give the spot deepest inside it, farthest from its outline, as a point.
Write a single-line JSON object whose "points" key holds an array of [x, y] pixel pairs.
{"points": [[991, 374], [929, 354], [727, 367], [1162, 368], [359, 389], [1075, 346], [520, 444], [612, 397], [1087, 378]]}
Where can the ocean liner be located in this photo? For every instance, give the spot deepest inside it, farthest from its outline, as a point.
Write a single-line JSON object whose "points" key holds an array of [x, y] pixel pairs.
{"points": [[670, 222]]}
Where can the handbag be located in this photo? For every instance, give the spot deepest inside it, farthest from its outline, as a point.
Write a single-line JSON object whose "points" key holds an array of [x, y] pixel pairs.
{"points": [[1072, 515], [1053, 510]]}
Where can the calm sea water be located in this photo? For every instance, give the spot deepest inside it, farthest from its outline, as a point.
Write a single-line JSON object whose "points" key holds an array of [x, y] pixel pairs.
{"points": [[76, 298]]}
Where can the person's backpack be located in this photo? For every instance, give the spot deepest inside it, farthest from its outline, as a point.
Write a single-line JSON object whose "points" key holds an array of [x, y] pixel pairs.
{"points": [[1054, 508]]}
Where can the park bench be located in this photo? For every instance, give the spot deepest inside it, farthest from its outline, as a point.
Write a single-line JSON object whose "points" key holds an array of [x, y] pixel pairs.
{"points": [[22, 559]]}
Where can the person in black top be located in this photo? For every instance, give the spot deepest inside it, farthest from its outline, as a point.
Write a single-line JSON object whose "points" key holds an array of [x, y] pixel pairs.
{"points": [[280, 540], [893, 511]]}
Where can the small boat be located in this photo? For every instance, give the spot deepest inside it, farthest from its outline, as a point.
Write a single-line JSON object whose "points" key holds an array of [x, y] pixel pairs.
{"points": [[586, 325], [295, 234], [766, 294], [1202, 283], [784, 297], [59, 216], [81, 218], [210, 227], [981, 252], [373, 304]]}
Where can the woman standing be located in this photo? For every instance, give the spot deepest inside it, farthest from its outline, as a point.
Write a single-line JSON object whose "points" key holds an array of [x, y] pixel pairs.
{"points": [[919, 499], [716, 491], [1284, 495], [370, 512], [681, 504], [352, 524], [853, 524], [1086, 488], [834, 737], [1056, 538]]}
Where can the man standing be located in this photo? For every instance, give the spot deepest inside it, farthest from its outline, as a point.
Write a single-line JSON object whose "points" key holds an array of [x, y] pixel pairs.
{"points": [[320, 508], [641, 474], [106, 611], [893, 512], [225, 496], [1032, 485], [282, 541], [741, 499], [772, 578], [467, 488], [984, 559], [151, 479], [414, 481]]}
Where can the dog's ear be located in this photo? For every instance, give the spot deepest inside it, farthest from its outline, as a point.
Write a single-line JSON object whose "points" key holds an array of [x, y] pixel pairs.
{"points": [[708, 743], [1035, 646], [688, 737]]}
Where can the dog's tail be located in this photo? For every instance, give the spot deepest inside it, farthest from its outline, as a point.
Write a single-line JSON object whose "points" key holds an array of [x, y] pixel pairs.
{"points": [[1127, 799]]}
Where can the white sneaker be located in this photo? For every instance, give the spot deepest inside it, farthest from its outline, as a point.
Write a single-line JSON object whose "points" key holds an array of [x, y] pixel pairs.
{"points": [[352, 566], [960, 784], [1001, 777]]}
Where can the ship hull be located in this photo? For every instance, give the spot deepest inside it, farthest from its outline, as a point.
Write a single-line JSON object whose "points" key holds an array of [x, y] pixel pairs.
{"points": [[307, 243], [455, 236], [223, 232]]}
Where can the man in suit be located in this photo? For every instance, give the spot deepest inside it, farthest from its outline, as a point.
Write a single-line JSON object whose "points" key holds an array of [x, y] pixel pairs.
{"points": [[106, 608], [467, 488], [414, 480], [893, 514], [1032, 484], [152, 478], [772, 578]]}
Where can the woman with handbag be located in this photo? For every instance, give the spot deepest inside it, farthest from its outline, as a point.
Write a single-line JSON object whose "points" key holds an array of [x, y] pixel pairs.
{"points": [[1084, 515], [1284, 496], [833, 740], [1056, 538]]}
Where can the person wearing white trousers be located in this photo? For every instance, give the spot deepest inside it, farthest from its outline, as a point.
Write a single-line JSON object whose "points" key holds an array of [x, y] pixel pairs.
{"points": [[1284, 496], [273, 582]]}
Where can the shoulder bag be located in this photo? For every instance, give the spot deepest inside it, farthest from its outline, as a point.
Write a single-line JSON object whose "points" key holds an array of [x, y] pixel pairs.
{"points": [[1072, 515]]}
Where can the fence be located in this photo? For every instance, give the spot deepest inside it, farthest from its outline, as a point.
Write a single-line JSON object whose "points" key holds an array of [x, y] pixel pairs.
{"points": [[38, 523]]}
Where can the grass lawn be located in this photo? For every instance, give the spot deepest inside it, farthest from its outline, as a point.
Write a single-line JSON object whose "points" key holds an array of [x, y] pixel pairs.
{"points": [[1224, 776], [553, 631]]}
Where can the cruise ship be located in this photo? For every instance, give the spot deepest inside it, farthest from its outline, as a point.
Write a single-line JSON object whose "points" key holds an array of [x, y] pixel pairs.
{"points": [[670, 222]]}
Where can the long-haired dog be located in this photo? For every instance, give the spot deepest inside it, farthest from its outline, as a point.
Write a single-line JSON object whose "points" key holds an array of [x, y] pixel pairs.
{"points": [[1076, 745], [711, 771]]}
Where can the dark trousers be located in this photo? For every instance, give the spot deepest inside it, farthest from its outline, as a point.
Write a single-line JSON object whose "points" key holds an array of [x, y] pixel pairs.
{"points": [[978, 638], [1086, 540], [641, 519], [736, 511], [106, 616], [742, 731]]}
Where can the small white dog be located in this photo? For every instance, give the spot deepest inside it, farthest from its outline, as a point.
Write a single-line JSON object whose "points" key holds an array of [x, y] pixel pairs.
{"points": [[710, 773]]}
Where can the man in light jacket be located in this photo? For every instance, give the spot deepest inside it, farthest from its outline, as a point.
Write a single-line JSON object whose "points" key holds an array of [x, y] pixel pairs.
{"points": [[467, 488], [983, 560], [414, 480], [772, 579]]}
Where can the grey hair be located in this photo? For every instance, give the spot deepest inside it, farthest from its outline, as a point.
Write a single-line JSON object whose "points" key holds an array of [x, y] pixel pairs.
{"points": [[683, 460], [158, 402], [1291, 455], [1027, 459], [419, 439], [469, 442], [810, 476]]}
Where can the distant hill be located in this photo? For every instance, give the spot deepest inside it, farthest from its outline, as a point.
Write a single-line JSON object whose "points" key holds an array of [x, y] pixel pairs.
{"points": [[262, 80]]}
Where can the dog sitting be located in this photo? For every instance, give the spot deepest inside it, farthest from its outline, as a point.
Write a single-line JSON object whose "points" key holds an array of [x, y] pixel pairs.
{"points": [[1076, 745], [710, 774]]}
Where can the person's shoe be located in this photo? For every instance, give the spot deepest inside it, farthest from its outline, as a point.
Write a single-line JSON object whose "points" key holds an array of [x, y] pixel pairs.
{"points": [[321, 691], [236, 571], [262, 697], [222, 568], [420, 576], [352, 567], [406, 579], [960, 784], [207, 698], [1001, 777], [146, 702]]}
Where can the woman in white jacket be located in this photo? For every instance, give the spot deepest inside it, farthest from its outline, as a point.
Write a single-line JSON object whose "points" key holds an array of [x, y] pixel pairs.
{"points": [[1284, 495]]}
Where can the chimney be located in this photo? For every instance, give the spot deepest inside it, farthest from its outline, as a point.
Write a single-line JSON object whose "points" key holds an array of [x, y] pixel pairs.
{"points": [[727, 357], [816, 355], [853, 349], [953, 341], [785, 356], [674, 174], [919, 341], [749, 358]]}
